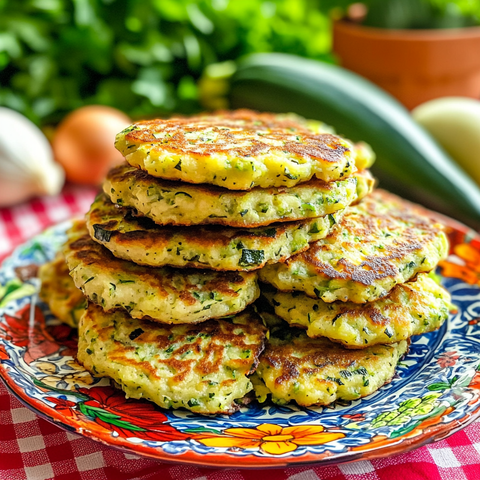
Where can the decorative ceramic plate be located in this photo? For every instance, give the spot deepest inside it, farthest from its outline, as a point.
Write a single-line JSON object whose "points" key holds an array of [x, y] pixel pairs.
{"points": [[435, 392]]}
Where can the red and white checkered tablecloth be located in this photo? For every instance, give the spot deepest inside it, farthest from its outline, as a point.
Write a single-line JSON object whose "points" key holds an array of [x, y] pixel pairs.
{"points": [[34, 449]]}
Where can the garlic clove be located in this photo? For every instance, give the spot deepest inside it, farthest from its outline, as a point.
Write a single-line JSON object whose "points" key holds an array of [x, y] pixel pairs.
{"points": [[27, 167], [13, 193]]}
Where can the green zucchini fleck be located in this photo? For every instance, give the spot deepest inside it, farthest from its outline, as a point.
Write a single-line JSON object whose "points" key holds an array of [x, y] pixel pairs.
{"points": [[135, 334], [193, 402], [289, 175], [251, 257], [388, 332], [101, 234]]}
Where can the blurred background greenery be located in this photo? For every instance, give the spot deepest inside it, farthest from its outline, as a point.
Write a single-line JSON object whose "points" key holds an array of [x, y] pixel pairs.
{"points": [[141, 56], [145, 56]]}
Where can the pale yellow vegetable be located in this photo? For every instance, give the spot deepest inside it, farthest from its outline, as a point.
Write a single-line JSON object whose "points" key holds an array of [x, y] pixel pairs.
{"points": [[27, 167], [455, 123]]}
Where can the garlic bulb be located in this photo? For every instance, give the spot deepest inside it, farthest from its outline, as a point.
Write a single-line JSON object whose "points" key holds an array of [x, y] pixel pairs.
{"points": [[27, 167]]}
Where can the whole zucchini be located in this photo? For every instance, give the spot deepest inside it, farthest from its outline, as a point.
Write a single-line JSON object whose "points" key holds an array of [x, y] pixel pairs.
{"points": [[409, 162]]}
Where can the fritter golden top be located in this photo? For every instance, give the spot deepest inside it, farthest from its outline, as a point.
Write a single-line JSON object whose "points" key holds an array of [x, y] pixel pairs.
{"points": [[237, 150], [371, 223], [382, 241], [411, 308], [236, 137], [315, 371], [201, 367]]}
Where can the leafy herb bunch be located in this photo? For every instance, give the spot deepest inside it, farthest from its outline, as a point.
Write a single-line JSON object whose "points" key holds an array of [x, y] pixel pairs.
{"points": [[141, 56]]}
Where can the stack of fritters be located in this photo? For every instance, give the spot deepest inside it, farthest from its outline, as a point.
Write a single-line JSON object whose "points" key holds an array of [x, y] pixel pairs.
{"points": [[365, 287], [170, 252]]}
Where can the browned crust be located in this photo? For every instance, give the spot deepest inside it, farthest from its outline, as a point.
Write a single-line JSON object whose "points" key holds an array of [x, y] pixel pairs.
{"points": [[88, 252], [221, 333], [57, 283], [291, 358], [295, 359], [246, 123], [366, 226], [145, 232]]}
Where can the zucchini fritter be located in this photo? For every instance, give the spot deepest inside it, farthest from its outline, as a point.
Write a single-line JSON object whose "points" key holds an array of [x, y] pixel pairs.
{"points": [[412, 308], [316, 371], [383, 241], [214, 247], [238, 150], [166, 295], [201, 367], [65, 300], [176, 203]]}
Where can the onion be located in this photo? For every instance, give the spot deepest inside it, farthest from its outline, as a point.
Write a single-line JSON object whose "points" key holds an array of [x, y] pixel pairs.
{"points": [[84, 143]]}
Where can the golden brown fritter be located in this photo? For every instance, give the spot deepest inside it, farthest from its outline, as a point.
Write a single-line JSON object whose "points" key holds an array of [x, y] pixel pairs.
{"points": [[316, 371], [166, 295], [413, 308], [383, 241], [214, 247], [237, 150], [200, 367], [64, 299], [177, 203]]}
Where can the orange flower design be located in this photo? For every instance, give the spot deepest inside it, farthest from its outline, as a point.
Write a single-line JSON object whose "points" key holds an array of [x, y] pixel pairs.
{"points": [[475, 381], [270, 438], [469, 269], [38, 342], [3, 353]]}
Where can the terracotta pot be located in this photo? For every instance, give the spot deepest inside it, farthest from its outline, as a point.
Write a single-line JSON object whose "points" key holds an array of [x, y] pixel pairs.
{"points": [[413, 65]]}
